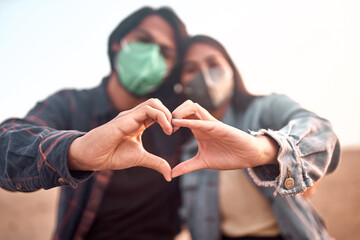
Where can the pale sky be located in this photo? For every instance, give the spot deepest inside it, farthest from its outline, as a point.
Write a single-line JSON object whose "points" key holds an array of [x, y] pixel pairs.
{"points": [[308, 50]]}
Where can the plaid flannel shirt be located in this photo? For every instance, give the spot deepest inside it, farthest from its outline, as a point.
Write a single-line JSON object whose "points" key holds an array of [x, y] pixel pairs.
{"points": [[33, 153]]}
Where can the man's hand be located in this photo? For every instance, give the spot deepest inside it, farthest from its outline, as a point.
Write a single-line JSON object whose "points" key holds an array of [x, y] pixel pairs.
{"points": [[221, 146], [118, 145]]}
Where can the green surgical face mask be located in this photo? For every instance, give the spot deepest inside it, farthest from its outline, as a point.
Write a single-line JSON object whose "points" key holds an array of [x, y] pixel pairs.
{"points": [[140, 67]]}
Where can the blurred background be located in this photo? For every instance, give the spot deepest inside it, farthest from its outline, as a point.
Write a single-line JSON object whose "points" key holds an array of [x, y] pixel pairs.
{"points": [[308, 50]]}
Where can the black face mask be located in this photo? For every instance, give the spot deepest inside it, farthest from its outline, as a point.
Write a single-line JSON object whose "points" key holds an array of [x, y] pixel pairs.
{"points": [[210, 89]]}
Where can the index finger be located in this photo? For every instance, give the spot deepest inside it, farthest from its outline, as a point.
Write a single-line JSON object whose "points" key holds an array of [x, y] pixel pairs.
{"points": [[148, 115], [190, 110], [157, 104], [193, 124]]}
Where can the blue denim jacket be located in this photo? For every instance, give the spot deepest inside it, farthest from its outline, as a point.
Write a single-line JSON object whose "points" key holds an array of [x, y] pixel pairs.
{"points": [[309, 149]]}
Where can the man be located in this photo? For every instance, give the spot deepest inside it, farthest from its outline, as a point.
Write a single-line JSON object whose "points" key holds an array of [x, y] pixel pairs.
{"points": [[67, 137]]}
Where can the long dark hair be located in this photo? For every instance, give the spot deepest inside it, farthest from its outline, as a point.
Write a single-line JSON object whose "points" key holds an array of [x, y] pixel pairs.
{"points": [[242, 97]]}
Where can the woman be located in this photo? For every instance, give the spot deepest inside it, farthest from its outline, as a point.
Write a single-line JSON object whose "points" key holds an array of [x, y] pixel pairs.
{"points": [[287, 151]]}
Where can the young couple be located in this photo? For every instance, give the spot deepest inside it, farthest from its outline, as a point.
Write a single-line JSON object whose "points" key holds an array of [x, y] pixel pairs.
{"points": [[177, 105]]}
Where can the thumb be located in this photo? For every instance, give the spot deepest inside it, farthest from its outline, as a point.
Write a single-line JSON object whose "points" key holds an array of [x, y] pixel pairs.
{"points": [[158, 164], [188, 166]]}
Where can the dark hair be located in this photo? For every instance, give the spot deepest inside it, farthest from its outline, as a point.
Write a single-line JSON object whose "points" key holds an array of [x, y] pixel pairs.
{"points": [[133, 20], [241, 97]]}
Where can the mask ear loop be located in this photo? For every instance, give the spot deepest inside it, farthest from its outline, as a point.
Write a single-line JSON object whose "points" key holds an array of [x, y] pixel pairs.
{"points": [[124, 45], [229, 74]]}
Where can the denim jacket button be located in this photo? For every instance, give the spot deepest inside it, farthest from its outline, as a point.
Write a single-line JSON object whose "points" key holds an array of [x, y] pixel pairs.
{"points": [[289, 183], [18, 186], [62, 181]]}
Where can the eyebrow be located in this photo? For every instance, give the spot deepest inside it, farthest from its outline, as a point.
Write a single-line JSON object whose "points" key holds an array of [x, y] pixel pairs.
{"points": [[162, 46], [209, 58], [143, 31], [212, 57]]}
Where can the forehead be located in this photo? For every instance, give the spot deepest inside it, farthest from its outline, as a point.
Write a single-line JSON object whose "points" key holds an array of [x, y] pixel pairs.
{"points": [[199, 52], [160, 30]]}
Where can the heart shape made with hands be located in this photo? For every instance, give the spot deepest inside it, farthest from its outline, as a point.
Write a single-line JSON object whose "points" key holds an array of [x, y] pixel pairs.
{"points": [[220, 146], [118, 144]]}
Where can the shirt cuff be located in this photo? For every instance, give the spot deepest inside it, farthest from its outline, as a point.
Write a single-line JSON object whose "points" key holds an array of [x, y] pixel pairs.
{"points": [[286, 176], [54, 169]]}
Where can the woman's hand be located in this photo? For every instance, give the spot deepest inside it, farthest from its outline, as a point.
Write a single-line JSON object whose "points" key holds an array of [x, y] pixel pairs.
{"points": [[118, 145], [311, 190], [221, 146]]}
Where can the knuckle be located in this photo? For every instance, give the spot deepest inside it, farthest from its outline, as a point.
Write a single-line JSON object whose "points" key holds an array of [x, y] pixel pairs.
{"points": [[146, 108], [123, 113], [154, 101], [196, 105]]}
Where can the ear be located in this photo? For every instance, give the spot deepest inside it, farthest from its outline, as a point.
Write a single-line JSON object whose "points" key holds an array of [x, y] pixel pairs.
{"points": [[115, 47]]}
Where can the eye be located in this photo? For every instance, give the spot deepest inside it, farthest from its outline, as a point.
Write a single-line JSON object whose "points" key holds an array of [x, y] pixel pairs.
{"points": [[168, 54], [213, 64], [140, 36], [145, 39]]}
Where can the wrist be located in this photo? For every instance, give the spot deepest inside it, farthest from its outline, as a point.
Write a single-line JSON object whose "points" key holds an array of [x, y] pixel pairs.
{"points": [[74, 160], [269, 150]]}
